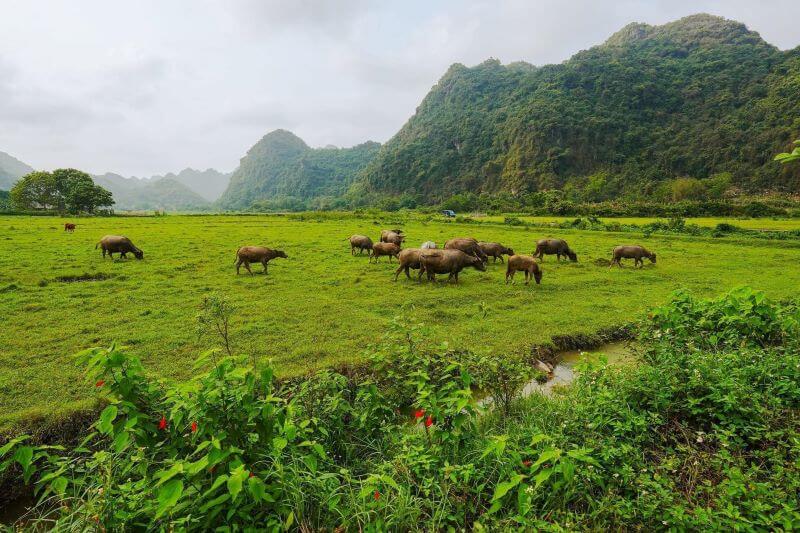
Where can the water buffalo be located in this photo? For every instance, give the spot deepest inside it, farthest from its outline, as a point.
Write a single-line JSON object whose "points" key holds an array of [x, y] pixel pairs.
{"points": [[632, 251], [256, 254], [361, 242], [450, 262], [525, 264], [557, 247], [468, 245], [384, 248], [112, 244], [408, 258], [69, 226], [392, 236], [428, 245], [495, 250]]}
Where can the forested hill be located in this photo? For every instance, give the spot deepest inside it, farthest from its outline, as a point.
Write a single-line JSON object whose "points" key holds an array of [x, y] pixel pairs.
{"points": [[281, 170], [696, 97]]}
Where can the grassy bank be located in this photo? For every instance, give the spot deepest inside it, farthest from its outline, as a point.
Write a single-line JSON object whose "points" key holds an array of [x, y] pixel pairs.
{"points": [[702, 433], [321, 306]]}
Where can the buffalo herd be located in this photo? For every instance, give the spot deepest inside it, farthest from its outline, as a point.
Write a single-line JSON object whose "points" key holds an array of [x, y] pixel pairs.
{"points": [[462, 252], [456, 254]]}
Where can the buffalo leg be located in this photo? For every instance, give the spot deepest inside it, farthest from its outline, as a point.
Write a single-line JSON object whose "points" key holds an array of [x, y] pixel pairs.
{"points": [[265, 266], [397, 272], [238, 264], [247, 266]]}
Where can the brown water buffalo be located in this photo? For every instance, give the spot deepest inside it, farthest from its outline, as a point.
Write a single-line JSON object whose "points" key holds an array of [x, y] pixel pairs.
{"points": [[112, 244], [450, 262], [408, 258], [557, 247], [360, 242], [384, 248], [525, 264], [69, 226], [389, 235], [495, 250], [256, 254], [632, 251], [468, 245]]}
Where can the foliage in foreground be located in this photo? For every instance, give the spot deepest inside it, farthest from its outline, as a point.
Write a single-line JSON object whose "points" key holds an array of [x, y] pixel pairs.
{"points": [[703, 433]]}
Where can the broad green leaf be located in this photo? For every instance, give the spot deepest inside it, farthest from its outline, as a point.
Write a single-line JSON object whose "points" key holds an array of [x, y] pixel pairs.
{"points": [[216, 501], [168, 496], [503, 488], [106, 423], [165, 475]]}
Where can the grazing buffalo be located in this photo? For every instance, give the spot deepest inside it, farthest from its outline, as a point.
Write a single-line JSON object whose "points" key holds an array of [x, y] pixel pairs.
{"points": [[361, 242], [392, 236], [69, 226], [557, 247], [256, 254], [112, 244], [428, 245], [450, 262], [468, 245], [525, 264], [632, 251], [384, 248], [495, 250], [408, 258]]}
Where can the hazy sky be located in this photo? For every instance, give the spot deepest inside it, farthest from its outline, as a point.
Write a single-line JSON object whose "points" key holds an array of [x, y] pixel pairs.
{"points": [[144, 87]]}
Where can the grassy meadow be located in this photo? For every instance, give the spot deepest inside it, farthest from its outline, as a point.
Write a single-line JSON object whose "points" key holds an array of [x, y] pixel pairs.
{"points": [[321, 306]]}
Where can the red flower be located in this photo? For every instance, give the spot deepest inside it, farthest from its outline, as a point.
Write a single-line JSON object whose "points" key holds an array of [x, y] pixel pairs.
{"points": [[376, 495], [419, 413], [162, 424], [527, 462], [252, 474], [100, 383], [194, 426], [429, 421]]}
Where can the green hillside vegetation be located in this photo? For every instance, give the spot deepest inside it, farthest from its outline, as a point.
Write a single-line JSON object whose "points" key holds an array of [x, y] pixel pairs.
{"points": [[702, 100], [282, 172], [141, 194]]}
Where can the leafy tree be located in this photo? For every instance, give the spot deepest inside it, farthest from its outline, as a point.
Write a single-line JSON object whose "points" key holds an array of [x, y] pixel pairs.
{"points": [[63, 189]]}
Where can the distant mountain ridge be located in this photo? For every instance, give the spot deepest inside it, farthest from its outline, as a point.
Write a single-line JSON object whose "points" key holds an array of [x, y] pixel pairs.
{"points": [[133, 194], [209, 183], [11, 169]]}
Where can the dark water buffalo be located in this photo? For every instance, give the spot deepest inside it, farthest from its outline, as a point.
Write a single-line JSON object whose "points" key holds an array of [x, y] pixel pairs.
{"points": [[256, 254], [557, 247], [384, 248], [392, 236], [69, 226], [468, 245], [360, 242], [450, 262], [113, 244], [525, 264], [632, 251], [408, 258], [495, 250]]}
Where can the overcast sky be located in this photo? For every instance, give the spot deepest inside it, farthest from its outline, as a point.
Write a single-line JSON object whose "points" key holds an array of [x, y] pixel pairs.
{"points": [[151, 86]]}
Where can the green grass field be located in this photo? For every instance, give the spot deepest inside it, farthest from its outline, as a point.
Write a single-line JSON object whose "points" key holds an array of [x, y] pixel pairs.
{"points": [[321, 306]]}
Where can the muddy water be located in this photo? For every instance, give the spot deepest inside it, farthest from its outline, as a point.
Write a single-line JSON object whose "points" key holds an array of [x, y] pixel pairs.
{"points": [[616, 353]]}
